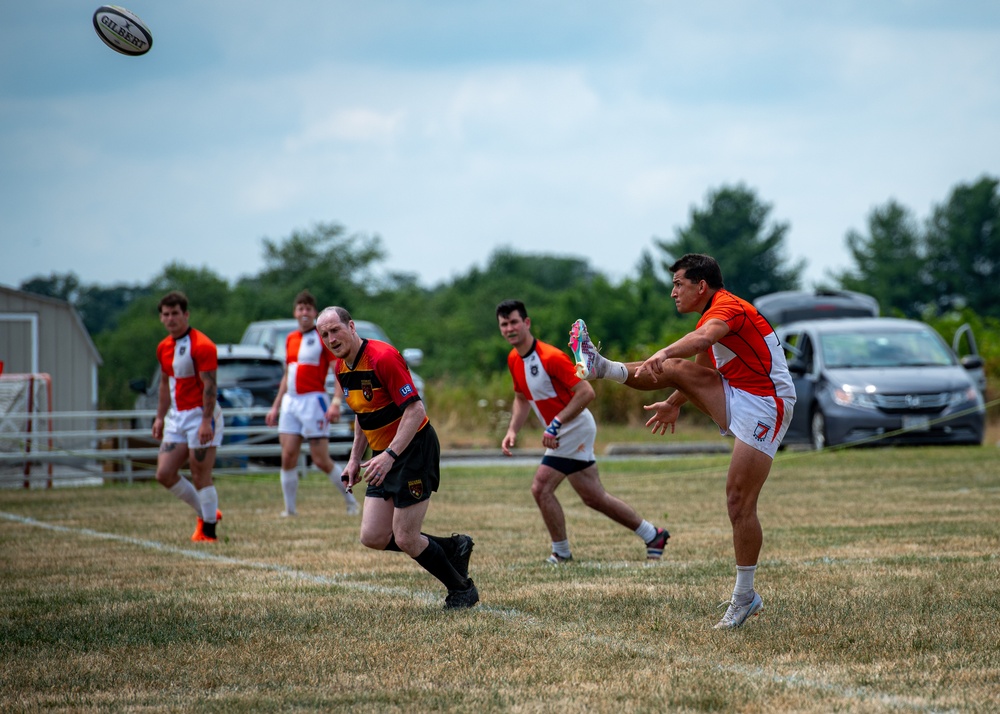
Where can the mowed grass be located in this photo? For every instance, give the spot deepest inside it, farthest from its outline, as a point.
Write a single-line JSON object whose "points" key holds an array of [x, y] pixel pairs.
{"points": [[879, 575]]}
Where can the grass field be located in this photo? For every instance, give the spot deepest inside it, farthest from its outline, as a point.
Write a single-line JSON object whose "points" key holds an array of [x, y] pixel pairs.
{"points": [[880, 577]]}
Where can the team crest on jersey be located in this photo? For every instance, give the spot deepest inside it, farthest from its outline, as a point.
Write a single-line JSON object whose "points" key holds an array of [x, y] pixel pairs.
{"points": [[367, 391], [534, 370], [406, 390], [183, 350], [760, 433], [416, 488], [310, 340]]}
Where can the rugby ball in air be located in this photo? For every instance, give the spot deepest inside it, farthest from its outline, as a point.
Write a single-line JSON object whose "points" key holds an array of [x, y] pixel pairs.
{"points": [[122, 30]]}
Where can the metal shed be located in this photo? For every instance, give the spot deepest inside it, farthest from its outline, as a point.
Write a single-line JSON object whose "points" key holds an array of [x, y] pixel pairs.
{"points": [[40, 334]]}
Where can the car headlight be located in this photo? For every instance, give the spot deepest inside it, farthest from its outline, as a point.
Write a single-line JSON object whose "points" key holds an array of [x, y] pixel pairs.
{"points": [[850, 396], [962, 396]]}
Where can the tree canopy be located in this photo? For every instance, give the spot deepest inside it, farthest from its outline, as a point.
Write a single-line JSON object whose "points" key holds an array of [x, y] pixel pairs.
{"points": [[954, 262]]}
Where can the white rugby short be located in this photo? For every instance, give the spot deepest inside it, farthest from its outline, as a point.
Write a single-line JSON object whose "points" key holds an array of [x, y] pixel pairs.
{"points": [[304, 415], [753, 419], [180, 427], [576, 438]]}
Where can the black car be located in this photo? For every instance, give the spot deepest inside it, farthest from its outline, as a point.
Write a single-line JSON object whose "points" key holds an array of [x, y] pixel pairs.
{"points": [[879, 380]]}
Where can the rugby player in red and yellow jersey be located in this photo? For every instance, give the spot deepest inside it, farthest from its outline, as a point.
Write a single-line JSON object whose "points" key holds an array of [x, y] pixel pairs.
{"points": [[739, 378], [188, 417], [405, 466], [545, 381], [302, 409]]}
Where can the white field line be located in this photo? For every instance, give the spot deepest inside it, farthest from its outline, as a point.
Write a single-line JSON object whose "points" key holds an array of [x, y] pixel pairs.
{"points": [[344, 580]]}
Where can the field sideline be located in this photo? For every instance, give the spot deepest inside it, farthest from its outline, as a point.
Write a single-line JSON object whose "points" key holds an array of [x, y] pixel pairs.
{"points": [[879, 575]]}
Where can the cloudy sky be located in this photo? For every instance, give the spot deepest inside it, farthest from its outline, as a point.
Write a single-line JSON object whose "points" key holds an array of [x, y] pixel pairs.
{"points": [[452, 127]]}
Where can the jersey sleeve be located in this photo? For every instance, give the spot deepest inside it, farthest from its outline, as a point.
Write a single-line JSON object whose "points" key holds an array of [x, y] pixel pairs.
{"points": [[395, 376], [205, 354]]}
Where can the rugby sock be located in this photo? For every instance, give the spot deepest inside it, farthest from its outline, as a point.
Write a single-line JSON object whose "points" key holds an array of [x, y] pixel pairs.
{"points": [[209, 499], [290, 488], [392, 545], [743, 592], [435, 562], [185, 491], [447, 544], [615, 371], [561, 549], [646, 531]]}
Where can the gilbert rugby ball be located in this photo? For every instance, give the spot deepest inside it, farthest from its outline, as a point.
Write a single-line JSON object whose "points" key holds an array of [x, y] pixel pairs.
{"points": [[122, 30]]}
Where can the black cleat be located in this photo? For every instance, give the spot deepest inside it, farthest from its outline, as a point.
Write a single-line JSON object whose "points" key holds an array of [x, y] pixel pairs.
{"points": [[462, 599], [463, 550]]}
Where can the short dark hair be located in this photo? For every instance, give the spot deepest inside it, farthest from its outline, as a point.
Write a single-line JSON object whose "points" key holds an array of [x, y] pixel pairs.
{"points": [[697, 267], [175, 298], [304, 298], [505, 308]]}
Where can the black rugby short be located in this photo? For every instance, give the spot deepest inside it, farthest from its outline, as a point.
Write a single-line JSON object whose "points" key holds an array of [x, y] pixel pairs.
{"points": [[415, 474]]}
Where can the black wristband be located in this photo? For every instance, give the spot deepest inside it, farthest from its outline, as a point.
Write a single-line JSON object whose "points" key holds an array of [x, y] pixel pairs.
{"points": [[391, 453]]}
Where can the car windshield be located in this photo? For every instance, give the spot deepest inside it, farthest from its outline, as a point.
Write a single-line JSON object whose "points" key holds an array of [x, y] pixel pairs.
{"points": [[916, 348], [240, 371]]}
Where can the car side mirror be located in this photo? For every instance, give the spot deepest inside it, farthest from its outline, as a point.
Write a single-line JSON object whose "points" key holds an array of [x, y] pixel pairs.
{"points": [[972, 362], [138, 385], [413, 356], [797, 366]]}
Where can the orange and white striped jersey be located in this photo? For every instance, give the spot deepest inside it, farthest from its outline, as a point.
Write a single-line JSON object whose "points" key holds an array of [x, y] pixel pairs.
{"points": [[750, 357], [308, 362], [182, 361], [545, 376]]}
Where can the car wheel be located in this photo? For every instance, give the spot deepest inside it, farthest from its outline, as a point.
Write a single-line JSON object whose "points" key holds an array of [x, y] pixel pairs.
{"points": [[817, 430]]}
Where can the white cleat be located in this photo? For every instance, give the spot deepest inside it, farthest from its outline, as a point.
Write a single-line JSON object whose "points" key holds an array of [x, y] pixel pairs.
{"points": [[736, 615]]}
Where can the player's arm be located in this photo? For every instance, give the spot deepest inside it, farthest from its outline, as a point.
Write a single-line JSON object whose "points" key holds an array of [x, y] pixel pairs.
{"points": [[162, 405], [583, 394], [518, 415], [376, 468], [272, 415], [333, 411], [693, 343], [352, 469], [210, 395]]}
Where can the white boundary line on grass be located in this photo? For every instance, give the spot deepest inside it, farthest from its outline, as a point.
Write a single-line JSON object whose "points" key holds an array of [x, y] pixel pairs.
{"points": [[862, 694]]}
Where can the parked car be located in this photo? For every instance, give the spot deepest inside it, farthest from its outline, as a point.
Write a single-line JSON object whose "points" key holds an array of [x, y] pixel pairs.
{"points": [[248, 376], [857, 380], [793, 305]]}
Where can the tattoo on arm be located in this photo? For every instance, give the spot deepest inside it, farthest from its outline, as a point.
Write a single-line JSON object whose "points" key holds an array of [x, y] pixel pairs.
{"points": [[211, 391]]}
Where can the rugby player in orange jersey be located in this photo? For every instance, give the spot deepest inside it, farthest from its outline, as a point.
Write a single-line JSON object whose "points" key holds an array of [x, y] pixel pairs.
{"points": [[303, 410], [188, 417], [545, 382], [739, 378]]}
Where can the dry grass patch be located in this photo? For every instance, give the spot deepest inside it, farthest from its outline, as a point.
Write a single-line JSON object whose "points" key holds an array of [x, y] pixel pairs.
{"points": [[879, 576]]}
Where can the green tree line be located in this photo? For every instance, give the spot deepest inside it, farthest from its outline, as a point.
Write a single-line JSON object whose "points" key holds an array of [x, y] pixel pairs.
{"points": [[946, 272]]}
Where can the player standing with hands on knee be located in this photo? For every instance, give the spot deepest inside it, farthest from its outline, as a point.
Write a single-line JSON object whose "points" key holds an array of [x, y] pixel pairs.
{"points": [[188, 416], [739, 378], [302, 409], [405, 466]]}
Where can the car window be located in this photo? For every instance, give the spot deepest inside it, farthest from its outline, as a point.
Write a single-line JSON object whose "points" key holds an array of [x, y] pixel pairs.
{"points": [[915, 348], [236, 371]]}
